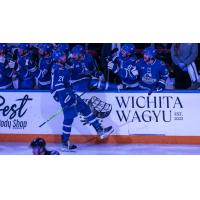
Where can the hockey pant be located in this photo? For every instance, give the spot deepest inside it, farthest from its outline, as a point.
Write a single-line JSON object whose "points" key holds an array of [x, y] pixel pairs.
{"points": [[84, 109]]}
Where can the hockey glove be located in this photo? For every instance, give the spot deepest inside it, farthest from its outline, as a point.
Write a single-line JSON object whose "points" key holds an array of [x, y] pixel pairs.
{"points": [[113, 67], [56, 98], [102, 78], [160, 86]]}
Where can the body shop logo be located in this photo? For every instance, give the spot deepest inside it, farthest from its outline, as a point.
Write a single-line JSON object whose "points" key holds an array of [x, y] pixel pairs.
{"points": [[17, 110]]}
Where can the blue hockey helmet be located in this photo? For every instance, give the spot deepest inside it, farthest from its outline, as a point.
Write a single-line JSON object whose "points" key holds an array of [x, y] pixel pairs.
{"points": [[151, 51], [45, 47], [24, 46], [128, 48], [78, 49], [3, 46], [63, 46], [57, 55]]}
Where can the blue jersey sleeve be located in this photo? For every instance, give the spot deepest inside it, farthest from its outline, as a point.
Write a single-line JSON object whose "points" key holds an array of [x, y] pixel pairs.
{"points": [[164, 73]]}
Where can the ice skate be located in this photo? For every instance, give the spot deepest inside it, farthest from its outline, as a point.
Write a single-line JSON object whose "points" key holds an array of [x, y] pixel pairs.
{"points": [[66, 146], [105, 132]]}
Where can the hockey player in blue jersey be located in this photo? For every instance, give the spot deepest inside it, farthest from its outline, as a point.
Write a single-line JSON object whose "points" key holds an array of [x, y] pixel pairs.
{"points": [[26, 67], [71, 103], [43, 72], [124, 66], [66, 49], [6, 68], [153, 72], [84, 72]]}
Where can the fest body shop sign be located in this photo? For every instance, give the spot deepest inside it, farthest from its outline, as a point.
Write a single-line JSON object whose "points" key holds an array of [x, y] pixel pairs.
{"points": [[23, 112], [129, 113]]}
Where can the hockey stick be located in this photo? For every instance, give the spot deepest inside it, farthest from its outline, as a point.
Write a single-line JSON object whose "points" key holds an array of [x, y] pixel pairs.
{"points": [[151, 91], [109, 58], [61, 109]]}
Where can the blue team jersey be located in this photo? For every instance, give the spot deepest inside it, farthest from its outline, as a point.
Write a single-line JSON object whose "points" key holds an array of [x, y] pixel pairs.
{"points": [[27, 62], [26, 68], [151, 74], [62, 91], [5, 74], [43, 73], [60, 83], [126, 69], [83, 69]]}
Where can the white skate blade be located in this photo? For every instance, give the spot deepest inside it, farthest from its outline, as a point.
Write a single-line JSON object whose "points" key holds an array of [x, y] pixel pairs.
{"points": [[64, 149]]}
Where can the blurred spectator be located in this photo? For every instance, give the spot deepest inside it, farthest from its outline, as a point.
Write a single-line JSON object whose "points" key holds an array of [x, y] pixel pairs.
{"points": [[184, 56]]}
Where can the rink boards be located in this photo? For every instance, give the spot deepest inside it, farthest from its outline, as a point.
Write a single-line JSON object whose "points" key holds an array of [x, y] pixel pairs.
{"points": [[169, 117]]}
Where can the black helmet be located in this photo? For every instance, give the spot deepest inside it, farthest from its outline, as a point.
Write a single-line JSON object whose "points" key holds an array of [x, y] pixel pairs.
{"points": [[38, 142]]}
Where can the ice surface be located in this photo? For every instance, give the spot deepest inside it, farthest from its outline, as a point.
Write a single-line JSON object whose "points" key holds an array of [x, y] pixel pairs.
{"points": [[106, 149]]}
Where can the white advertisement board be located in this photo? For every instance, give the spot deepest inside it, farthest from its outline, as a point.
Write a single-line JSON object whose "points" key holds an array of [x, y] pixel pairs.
{"points": [[130, 113]]}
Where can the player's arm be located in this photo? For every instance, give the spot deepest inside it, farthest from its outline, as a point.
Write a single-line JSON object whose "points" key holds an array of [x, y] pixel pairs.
{"points": [[94, 69], [45, 69], [31, 64], [23, 72], [114, 64], [9, 72], [164, 74], [67, 92]]}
